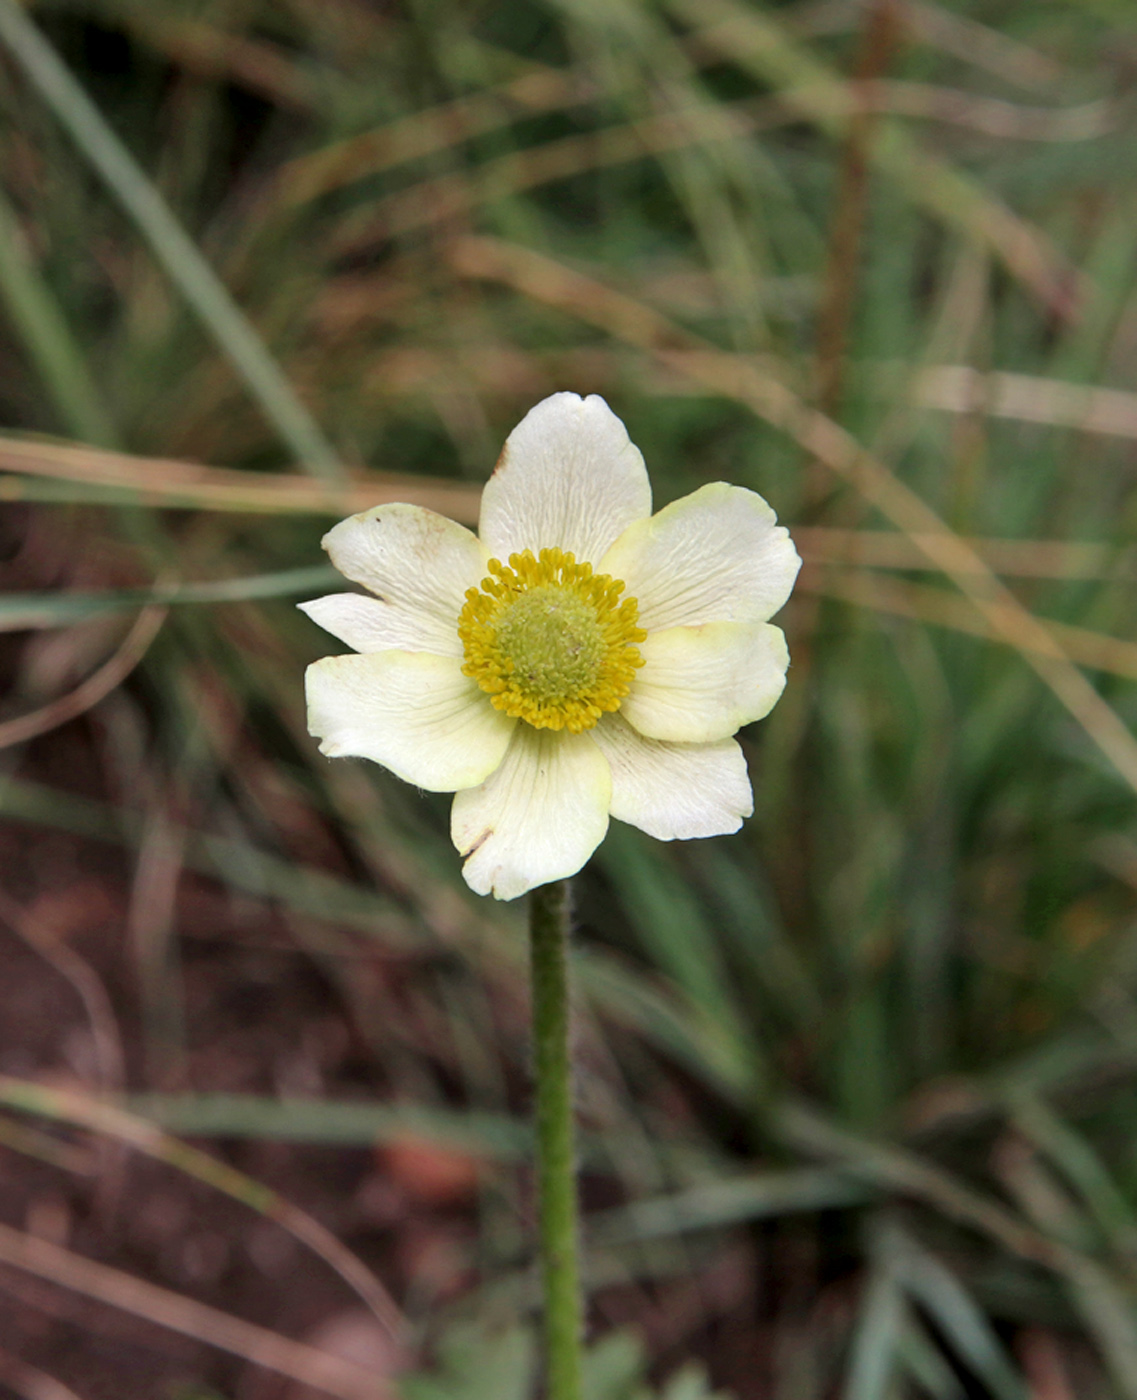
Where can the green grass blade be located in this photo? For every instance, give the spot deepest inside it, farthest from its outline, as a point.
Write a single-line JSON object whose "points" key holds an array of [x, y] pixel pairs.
{"points": [[26, 611], [331, 1123], [40, 324], [922, 1359], [758, 43], [727, 1202], [957, 1314], [1083, 1169], [876, 1340], [302, 889], [174, 249]]}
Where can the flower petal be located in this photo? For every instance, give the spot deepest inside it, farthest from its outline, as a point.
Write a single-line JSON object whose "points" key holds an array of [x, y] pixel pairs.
{"points": [[674, 792], [699, 684], [717, 555], [414, 713], [368, 624], [536, 818], [568, 478], [420, 563]]}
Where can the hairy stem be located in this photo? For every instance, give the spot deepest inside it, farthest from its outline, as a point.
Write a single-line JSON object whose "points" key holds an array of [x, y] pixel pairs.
{"points": [[556, 1165]]}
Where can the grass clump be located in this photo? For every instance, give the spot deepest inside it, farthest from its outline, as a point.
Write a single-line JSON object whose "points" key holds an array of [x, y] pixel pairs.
{"points": [[865, 1069]]}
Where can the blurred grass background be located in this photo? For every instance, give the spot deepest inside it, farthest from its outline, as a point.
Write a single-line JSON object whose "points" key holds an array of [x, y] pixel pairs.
{"points": [[857, 1083]]}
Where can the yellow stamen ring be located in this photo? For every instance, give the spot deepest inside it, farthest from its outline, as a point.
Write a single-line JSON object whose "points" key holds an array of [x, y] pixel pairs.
{"points": [[549, 641]]}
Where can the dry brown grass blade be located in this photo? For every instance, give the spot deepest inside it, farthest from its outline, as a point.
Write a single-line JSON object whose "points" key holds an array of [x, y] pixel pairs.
{"points": [[160, 481], [960, 389], [750, 382], [150, 926], [424, 133], [330, 1374], [887, 549], [30, 1142], [30, 1383], [108, 1119], [837, 294], [84, 980], [95, 688], [924, 603], [758, 43], [442, 127], [1008, 121], [1009, 59], [214, 53], [430, 202]]}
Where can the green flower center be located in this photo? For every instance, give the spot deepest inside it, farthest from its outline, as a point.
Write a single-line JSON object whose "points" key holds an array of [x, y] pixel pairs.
{"points": [[550, 641]]}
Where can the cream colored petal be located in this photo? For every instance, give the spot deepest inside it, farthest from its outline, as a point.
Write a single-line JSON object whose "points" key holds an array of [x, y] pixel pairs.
{"points": [[368, 624], [674, 791], [536, 818], [568, 478], [717, 555], [699, 684], [414, 713], [420, 563]]}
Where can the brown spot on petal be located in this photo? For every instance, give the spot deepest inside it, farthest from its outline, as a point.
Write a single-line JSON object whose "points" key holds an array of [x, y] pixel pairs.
{"points": [[478, 844]]}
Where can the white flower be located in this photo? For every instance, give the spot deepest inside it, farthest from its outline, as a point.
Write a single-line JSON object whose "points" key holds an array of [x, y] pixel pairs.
{"points": [[600, 672]]}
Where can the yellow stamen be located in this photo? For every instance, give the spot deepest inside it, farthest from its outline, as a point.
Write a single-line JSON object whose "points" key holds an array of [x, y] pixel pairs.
{"points": [[550, 641]]}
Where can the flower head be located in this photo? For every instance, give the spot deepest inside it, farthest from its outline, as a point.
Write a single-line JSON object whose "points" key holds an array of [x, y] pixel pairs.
{"points": [[582, 659]]}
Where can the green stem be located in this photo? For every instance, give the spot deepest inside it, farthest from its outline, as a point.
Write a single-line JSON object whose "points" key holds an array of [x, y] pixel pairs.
{"points": [[556, 1165]]}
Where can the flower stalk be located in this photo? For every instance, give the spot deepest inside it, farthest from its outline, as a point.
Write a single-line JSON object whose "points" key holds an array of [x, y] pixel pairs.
{"points": [[556, 1155]]}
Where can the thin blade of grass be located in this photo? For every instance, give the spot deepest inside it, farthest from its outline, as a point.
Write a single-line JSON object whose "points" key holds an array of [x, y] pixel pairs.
{"points": [[1027, 398], [36, 316], [331, 1375], [1082, 1168], [160, 481], [175, 250], [759, 44], [30, 1383], [68, 1106], [923, 1360], [96, 687], [728, 1202], [934, 606], [27, 611], [215, 53], [956, 1313], [888, 549], [298, 888], [628, 998], [1106, 1307], [46, 1147], [343, 1124], [808, 1131], [876, 1339]]}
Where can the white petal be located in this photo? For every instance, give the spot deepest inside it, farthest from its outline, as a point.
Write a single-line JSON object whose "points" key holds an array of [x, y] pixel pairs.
{"points": [[419, 562], [568, 478], [699, 684], [674, 791], [414, 713], [368, 624], [538, 817], [717, 555]]}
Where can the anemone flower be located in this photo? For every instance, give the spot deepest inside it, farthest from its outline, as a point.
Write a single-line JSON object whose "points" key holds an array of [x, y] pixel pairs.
{"points": [[600, 671]]}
